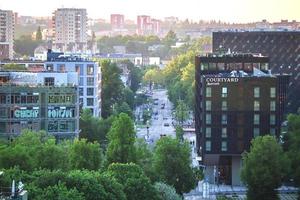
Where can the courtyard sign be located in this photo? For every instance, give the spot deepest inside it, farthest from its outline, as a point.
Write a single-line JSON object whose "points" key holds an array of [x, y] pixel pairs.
{"points": [[218, 80]]}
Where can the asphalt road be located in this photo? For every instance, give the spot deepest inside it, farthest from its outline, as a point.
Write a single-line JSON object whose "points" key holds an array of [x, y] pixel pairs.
{"points": [[161, 124]]}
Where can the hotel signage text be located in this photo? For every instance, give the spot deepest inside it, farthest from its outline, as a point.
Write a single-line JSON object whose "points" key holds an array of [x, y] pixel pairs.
{"points": [[26, 113], [218, 80]]}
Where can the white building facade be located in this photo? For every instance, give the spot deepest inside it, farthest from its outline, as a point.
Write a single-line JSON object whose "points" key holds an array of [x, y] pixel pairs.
{"points": [[7, 22], [70, 30]]}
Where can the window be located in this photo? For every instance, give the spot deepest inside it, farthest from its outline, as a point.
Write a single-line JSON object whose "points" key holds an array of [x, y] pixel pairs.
{"points": [[81, 81], [77, 69], [224, 105], [62, 68], [49, 81], [80, 91], [256, 119], [208, 145], [90, 91], [272, 131], [272, 119], [208, 92], [256, 92], [255, 132], [221, 66], [204, 66], [90, 81], [2, 98], [272, 105], [256, 105], [224, 119], [224, 146], [49, 67], [208, 118], [208, 105], [208, 132], [90, 70], [272, 92], [81, 101], [224, 132], [212, 66], [90, 101], [224, 91]]}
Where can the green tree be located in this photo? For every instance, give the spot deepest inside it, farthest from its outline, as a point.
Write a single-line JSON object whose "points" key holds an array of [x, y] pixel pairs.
{"points": [[179, 133], [263, 168], [128, 97], [121, 140], [85, 155], [123, 108], [38, 35], [177, 172], [170, 39], [181, 112], [25, 46], [136, 185], [60, 192], [112, 87], [292, 147], [166, 192]]}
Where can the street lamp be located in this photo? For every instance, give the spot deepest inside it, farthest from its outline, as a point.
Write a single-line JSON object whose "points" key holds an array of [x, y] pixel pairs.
{"points": [[147, 129]]}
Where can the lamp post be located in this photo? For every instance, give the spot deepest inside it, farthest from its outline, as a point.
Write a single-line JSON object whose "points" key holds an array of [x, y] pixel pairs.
{"points": [[147, 129]]}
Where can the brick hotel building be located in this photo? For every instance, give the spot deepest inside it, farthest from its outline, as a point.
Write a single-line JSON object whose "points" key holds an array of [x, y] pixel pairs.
{"points": [[237, 99]]}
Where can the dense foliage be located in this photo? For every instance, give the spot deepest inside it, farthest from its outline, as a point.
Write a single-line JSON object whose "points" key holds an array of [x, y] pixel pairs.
{"points": [[263, 168]]}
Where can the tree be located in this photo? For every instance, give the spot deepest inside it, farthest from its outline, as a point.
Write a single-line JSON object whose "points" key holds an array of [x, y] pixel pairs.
{"points": [[112, 87], [263, 168], [121, 140], [137, 186], [38, 35], [128, 97], [85, 155], [25, 46], [181, 113], [292, 147], [166, 192], [123, 108], [179, 133], [59, 192], [170, 39], [177, 172]]}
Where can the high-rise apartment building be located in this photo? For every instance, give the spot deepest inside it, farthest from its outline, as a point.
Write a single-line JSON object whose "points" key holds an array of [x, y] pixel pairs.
{"points": [[237, 99], [70, 29], [117, 21], [39, 101], [282, 47], [144, 26], [7, 21]]}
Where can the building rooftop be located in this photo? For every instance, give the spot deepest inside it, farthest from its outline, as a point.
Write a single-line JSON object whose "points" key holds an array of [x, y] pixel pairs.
{"points": [[240, 73]]}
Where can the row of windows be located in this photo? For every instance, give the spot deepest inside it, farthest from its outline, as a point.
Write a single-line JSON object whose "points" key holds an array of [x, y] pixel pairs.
{"points": [[89, 101], [256, 105], [208, 145], [20, 98], [78, 68], [89, 81], [89, 91], [61, 126], [256, 92], [234, 66], [256, 119], [208, 132], [256, 132]]}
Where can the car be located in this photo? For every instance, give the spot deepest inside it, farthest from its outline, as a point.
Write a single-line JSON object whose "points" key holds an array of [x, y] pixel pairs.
{"points": [[165, 118], [166, 124]]}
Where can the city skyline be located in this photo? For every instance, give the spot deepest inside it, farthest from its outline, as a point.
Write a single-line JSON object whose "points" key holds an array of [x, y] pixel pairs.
{"points": [[229, 11]]}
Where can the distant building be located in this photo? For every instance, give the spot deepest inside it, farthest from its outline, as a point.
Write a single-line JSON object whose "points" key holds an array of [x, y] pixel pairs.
{"points": [[39, 101], [237, 99], [40, 53], [144, 25], [89, 76], [117, 21], [70, 30], [156, 26], [7, 23], [282, 47]]}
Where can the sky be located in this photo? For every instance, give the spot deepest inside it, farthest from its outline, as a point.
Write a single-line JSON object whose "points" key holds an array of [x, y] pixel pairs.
{"points": [[224, 10]]}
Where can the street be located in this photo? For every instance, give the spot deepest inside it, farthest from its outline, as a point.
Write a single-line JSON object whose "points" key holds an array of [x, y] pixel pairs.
{"points": [[161, 122]]}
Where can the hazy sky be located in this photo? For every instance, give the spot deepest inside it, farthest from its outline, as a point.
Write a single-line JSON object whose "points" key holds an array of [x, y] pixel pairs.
{"points": [[225, 10]]}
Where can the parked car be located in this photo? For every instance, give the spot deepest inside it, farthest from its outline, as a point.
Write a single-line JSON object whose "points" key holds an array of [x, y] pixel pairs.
{"points": [[166, 124]]}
